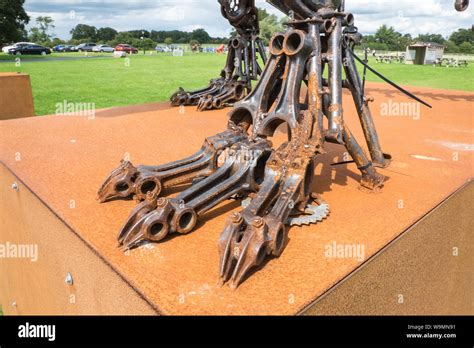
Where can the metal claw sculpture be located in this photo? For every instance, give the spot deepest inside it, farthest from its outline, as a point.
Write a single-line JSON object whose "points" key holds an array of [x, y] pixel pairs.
{"points": [[276, 182], [242, 65]]}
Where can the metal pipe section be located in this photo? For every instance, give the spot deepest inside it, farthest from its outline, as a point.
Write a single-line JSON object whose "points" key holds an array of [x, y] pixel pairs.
{"points": [[276, 44], [334, 133], [370, 132], [315, 82]]}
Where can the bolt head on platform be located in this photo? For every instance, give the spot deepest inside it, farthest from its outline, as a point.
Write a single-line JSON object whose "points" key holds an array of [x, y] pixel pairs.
{"points": [[69, 280]]}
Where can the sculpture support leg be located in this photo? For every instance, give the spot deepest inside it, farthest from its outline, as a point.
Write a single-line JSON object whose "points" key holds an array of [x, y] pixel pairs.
{"points": [[334, 132], [370, 132], [235, 82], [370, 178]]}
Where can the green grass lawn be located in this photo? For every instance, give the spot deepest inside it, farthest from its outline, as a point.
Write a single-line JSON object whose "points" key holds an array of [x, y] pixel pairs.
{"points": [[110, 82]]}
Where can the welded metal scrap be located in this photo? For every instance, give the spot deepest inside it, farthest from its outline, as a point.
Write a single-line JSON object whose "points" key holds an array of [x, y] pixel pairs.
{"points": [[279, 181]]}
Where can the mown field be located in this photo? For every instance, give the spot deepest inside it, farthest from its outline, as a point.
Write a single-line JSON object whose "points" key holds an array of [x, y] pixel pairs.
{"points": [[108, 81]]}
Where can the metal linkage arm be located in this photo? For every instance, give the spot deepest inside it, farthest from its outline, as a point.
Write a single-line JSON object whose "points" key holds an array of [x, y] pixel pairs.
{"points": [[126, 180]]}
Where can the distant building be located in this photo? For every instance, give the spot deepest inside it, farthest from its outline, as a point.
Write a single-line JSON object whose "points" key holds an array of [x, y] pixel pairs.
{"points": [[423, 53]]}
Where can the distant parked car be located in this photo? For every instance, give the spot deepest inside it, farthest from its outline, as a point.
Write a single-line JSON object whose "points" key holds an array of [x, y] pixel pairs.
{"points": [[126, 48], [7, 48], [162, 49], [85, 47], [29, 49], [58, 48], [103, 48], [66, 48]]}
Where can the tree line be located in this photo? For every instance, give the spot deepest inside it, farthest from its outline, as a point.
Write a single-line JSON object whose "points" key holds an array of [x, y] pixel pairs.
{"points": [[388, 39], [141, 38]]}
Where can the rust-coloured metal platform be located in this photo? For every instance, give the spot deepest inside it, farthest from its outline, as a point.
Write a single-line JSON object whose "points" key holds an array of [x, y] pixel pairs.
{"points": [[16, 97], [64, 159]]}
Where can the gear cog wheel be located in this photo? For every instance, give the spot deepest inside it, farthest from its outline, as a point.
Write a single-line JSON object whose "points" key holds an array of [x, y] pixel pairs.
{"points": [[314, 213]]}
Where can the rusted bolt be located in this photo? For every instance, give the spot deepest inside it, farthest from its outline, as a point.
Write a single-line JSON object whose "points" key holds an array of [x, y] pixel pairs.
{"points": [[161, 202], [258, 222], [15, 186], [236, 218]]}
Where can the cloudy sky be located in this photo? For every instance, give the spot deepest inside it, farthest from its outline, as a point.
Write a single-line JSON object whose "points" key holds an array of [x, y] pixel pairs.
{"points": [[407, 16]]}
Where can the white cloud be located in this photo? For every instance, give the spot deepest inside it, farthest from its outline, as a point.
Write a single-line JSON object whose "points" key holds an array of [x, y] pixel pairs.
{"points": [[407, 16]]}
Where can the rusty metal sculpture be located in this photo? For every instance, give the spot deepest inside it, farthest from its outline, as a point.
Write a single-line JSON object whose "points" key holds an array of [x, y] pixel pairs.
{"points": [[242, 65], [276, 182], [461, 5]]}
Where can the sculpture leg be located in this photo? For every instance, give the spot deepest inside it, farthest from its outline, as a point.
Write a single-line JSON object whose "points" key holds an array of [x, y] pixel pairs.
{"points": [[261, 230], [239, 175], [379, 158], [241, 67]]}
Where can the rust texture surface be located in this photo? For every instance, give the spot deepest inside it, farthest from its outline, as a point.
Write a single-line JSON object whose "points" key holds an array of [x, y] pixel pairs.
{"points": [[432, 158], [16, 98]]}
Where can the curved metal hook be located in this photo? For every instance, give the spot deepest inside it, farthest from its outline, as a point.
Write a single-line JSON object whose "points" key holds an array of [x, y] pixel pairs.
{"points": [[461, 5]]}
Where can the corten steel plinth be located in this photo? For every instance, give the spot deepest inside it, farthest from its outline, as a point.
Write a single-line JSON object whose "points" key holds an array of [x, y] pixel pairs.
{"points": [[242, 66], [277, 181], [54, 207], [16, 97]]}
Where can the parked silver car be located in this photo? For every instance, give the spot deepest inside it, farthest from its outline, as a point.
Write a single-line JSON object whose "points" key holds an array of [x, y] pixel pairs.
{"points": [[103, 48]]}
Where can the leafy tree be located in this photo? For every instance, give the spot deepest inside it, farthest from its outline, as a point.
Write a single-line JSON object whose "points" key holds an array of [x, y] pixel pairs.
{"points": [[137, 34], [13, 19], [121, 38], [377, 46], [35, 35], [403, 42], [175, 35], [168, 41], [387, 39], [451, 47], [148, 43], [462, 35], [45, 24], [56, 41], [436, 38], [466, 47], [40, 34], [200, 35], [106, 34], [393, 39], [269, 25], [84, 31]]}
